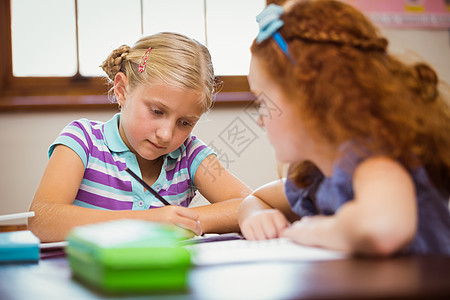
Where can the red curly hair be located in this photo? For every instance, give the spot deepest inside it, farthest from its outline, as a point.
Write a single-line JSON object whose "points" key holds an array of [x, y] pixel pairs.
{"points": [[346, 86]]}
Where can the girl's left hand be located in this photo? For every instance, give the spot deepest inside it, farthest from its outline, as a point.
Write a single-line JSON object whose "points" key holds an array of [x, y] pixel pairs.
{"points": [[266, 224], [306, 230]]}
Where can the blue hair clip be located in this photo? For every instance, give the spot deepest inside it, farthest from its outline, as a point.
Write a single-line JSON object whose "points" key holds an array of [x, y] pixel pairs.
{"points": [[269, 23]]}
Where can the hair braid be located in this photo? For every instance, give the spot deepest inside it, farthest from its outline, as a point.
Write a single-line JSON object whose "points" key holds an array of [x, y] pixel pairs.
{"points": [[299, 24], [375, 44], [113, 63]]}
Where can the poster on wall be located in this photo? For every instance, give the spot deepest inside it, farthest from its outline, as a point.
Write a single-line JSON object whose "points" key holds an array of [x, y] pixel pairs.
{"points": [[406, 13]]}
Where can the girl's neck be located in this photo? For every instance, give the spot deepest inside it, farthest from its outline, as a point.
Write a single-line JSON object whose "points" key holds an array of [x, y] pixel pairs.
{"points": [[150, 169], [325, 165], [325, 159]]}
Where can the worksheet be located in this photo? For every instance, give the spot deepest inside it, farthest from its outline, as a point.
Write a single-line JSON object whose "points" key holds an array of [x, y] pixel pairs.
{"points": [[239, 250]]}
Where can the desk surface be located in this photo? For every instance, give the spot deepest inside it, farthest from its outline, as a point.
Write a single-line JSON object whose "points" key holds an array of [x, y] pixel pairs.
{"points": [[395, 278]]}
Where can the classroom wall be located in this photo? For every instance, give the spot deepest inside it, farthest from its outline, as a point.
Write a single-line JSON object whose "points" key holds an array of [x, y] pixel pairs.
{"points": [[25, 136]]}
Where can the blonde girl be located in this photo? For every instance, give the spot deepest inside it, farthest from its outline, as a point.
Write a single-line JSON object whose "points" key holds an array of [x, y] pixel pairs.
{"points": [[163, 84]]}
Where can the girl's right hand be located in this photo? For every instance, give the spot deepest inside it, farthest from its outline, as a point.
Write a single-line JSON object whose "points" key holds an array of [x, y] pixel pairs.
{"points": [[181, 216], [265, 224]]}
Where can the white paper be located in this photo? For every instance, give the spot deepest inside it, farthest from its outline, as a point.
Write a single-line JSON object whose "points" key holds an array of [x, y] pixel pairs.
{"points": [[239, 251], [53, 245]]}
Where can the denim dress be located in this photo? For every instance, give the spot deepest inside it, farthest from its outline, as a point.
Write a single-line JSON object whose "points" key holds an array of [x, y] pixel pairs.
{"points": [[327, 194]]}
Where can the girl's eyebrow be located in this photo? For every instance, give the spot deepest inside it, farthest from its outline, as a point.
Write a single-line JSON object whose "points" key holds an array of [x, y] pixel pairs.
{"points": [[194, 118], [165, 107], [158, 102]]}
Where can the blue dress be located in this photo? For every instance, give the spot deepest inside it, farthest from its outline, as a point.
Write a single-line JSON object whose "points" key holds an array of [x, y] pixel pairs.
{"points": [[326, 195]]}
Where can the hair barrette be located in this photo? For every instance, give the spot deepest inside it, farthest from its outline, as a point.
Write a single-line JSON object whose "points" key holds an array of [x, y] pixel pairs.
{"points": [[142, 64], [269, 23]]}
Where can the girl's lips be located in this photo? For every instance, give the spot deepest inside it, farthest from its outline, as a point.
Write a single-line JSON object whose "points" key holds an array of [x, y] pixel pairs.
{"points": [[156, 145]]}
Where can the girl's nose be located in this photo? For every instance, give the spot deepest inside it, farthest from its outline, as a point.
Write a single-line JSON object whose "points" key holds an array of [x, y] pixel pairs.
{"points": [[165, 132]]}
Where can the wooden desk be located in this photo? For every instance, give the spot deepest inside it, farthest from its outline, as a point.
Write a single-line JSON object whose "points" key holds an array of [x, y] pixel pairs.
{"points": [[396, 278]]}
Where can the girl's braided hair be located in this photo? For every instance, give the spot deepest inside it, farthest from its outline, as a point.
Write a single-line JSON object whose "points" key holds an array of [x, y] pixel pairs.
{"points": [[174, 59], [346, 86]]}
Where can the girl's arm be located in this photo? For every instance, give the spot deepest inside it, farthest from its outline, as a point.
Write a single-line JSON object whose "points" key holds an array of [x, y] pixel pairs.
{"points": [[381, 220], [265, 213], [55, 215], [224, 191]]}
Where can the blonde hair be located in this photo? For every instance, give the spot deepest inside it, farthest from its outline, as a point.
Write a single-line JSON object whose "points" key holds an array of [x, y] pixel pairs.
{"points": [[174, 59]]}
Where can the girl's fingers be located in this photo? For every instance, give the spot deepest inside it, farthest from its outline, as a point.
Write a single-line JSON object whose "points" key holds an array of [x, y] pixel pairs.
{"points": [[247, 230], [187, 213], [280, 223], [201, 229], [258, 229], [273, 224], [182, 217], [190, 224], [194, 227]]}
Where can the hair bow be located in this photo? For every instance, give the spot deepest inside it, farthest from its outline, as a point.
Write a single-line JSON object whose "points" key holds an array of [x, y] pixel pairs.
{"points": [[269, 22]]}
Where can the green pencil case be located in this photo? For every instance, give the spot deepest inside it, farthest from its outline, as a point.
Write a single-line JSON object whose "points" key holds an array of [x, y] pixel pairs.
{"points": [[129, 256]]}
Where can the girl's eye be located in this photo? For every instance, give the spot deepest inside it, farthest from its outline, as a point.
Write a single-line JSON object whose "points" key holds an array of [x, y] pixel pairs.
{"points": [[157, 112], [186, 124]]}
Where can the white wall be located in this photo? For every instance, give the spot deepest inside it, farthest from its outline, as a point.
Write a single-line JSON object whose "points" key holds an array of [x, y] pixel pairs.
{"points": [[433, 46], [26, 136]]}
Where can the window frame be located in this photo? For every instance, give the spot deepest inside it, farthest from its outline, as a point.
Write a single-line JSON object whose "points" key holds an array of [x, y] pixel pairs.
{"points": [[77, 92]]}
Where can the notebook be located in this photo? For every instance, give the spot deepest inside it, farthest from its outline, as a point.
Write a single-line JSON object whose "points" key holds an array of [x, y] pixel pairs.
{"points": [[240, 251]]}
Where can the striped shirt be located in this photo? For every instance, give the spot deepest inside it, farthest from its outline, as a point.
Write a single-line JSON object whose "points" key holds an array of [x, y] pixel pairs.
{"points": [[106, 184]]}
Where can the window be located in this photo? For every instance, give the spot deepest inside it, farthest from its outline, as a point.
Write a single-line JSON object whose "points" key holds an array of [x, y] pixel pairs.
{"points": [[57, 51]]}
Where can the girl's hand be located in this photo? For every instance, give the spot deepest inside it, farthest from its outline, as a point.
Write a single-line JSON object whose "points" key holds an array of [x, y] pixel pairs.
{"points": [[266, 224], [305, 230], [181, 216]]}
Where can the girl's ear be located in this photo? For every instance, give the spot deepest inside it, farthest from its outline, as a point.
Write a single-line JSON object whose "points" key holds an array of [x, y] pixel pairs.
{"points": [[120, 87]]}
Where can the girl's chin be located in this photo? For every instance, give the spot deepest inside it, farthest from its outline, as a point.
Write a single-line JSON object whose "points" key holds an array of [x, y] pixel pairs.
{"points": [[150, 156], [150, 153]]}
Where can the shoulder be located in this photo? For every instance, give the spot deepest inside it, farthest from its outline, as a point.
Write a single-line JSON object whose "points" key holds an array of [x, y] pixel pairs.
{"points": [[358, 162], [85, 127], [380, 165], [381, 174], [80, 135], [85, 123], [192, 142], [191, 154], [191, 148]]}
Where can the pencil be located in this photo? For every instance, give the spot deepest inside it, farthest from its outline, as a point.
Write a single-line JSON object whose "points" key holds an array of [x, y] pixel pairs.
{"points": [[28, 214], [144, 184]]}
